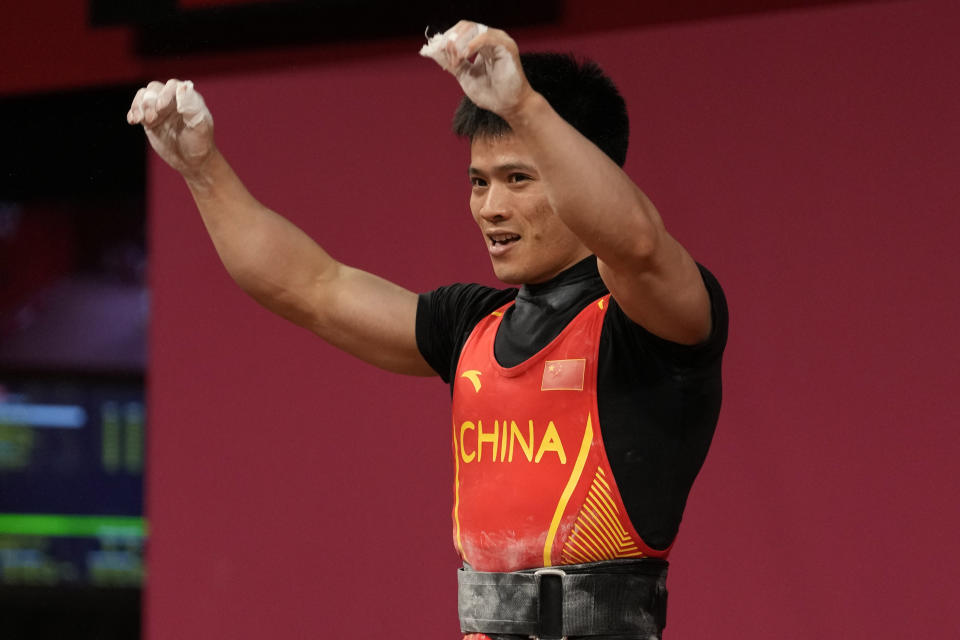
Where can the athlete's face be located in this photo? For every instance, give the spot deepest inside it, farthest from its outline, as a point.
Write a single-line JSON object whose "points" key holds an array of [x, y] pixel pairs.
{"points": [[527, 241]]}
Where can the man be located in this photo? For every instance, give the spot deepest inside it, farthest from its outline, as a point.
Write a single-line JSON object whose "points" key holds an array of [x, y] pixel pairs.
{"points": [[584, 403]]}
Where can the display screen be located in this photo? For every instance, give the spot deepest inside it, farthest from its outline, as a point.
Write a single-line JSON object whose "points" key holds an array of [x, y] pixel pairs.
{"points": [[71, 477], [73, 318], [74, 310]]}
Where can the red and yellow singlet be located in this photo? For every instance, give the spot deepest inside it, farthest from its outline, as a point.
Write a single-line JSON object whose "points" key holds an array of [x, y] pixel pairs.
{"points": [[533, 486]]}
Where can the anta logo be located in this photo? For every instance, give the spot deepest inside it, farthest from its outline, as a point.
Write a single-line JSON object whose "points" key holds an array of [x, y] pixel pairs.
{"points": [[473, 376], [506, 441]]}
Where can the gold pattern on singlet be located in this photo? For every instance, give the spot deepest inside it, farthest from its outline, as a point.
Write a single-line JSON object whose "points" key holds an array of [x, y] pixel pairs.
{"points": [[598, 534]]}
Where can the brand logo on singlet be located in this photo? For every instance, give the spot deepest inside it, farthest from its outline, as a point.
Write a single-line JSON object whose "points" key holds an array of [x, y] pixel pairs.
{"points": [[510, 440], [473, 376]]}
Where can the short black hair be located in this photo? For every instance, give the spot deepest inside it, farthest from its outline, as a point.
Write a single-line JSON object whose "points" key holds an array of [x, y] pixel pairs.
{"points": [[578, 91]]}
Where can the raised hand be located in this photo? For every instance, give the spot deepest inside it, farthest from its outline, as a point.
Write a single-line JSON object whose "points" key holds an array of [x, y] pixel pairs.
{"points": [[485, 61], [177, 123]]}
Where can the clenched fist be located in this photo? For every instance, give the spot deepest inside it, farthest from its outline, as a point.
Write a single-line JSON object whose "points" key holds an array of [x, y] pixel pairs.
{"points": [[177, 123], [485, 61]]}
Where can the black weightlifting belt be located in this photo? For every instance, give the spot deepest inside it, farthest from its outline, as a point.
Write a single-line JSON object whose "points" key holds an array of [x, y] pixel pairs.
{"points": [[620, 599]]}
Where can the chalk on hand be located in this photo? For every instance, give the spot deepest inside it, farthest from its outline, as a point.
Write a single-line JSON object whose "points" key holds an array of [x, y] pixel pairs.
{"points": [[190, 104], [436, 47]]}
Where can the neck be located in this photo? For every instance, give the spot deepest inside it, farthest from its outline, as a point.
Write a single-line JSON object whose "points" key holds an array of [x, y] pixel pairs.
{"points": [[542, 310], [586, 268]]}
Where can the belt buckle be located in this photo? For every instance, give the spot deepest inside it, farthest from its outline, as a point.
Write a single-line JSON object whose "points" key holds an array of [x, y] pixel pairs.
{"points": [[549, 571]]}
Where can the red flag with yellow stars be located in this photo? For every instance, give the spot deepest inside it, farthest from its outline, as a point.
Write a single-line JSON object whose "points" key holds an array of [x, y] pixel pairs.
{"points": [[563, 375]]}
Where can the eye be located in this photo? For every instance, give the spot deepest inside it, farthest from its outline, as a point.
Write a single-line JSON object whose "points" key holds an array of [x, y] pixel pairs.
{"points": [[477, 181], [515, 178]]}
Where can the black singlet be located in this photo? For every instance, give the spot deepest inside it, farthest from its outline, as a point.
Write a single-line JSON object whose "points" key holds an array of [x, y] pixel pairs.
{"points": [[658, 401]]}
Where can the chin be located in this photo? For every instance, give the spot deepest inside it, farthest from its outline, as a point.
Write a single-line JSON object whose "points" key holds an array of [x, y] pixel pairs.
{"points": [[509, 278], [507, 275], [517, 276]]}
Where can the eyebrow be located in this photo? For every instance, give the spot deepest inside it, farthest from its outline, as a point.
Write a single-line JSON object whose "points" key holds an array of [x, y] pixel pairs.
{"points": [[505, 168]]}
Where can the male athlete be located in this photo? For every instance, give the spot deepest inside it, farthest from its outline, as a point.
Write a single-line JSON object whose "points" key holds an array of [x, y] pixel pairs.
{"points": [[583, 403]]}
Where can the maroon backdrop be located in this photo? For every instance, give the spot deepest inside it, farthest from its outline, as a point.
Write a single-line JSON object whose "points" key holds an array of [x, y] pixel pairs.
{"points": [[808, 158]]}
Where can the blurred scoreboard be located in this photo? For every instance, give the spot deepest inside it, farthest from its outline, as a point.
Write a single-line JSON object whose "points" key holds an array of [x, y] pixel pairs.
{"points": [[71, 483]]}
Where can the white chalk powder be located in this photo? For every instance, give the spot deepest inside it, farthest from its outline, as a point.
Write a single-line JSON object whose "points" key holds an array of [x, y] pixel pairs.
{"points": [[191, 105], [436, 47]]}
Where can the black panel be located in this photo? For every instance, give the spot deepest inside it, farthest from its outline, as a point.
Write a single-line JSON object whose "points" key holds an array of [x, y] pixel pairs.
{"points": [[41, 613], [114, 12], [70, 144], [283, 24]]}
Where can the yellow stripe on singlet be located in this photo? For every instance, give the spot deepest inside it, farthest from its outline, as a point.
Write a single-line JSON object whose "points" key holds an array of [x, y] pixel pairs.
{"points": [[456, 491], [568, 491]]}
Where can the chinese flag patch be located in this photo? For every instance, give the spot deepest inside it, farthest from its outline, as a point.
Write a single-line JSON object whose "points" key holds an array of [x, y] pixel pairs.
{"points": [[563, 375]]}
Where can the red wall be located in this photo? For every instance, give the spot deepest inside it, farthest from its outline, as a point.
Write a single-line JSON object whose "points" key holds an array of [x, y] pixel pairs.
{"points": [[809, 158]]}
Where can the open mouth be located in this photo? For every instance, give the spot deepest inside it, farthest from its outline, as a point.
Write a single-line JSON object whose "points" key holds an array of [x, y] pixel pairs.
{"points": [[502, 239]]}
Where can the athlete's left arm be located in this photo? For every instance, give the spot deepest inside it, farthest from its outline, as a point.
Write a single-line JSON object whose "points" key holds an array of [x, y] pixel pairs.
{"points": [[652, 277]]}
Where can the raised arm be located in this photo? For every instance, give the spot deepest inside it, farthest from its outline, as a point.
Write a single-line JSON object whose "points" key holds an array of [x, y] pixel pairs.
{"points": [[652, 277], [270, 258]]}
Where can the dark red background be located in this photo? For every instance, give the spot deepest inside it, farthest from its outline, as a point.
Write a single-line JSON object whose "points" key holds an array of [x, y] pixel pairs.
{"points": [[809, 158]]}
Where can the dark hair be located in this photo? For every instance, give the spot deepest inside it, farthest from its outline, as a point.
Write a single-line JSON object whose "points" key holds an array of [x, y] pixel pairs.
{"points": [[577, 90]]}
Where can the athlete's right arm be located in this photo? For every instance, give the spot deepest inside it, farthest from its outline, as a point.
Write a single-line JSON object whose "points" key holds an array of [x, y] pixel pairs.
{"points": [[268, 256]]}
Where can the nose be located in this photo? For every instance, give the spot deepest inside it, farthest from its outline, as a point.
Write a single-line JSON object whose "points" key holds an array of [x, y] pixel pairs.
{"points": [[494, 207]]}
